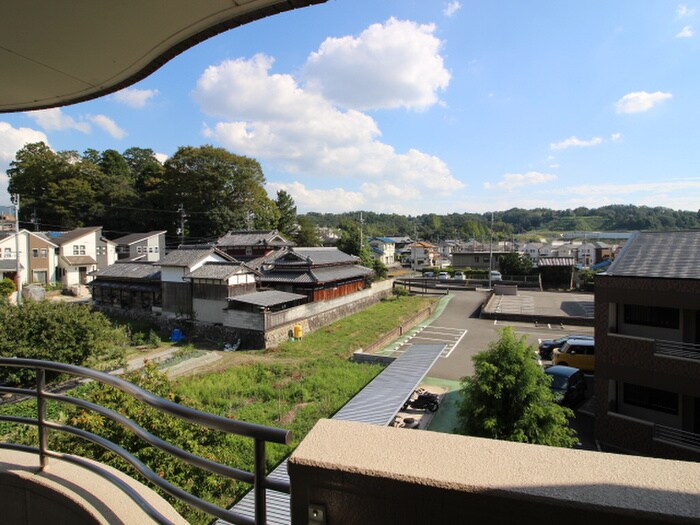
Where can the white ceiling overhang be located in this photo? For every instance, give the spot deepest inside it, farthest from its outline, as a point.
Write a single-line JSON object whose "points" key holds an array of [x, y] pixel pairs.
{"points": [[56, 53]]}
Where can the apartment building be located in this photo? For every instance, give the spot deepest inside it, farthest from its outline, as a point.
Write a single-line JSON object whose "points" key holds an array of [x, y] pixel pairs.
{"points": [[648, 347]]}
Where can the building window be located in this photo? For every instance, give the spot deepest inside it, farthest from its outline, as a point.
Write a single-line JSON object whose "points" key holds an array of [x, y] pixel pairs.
{"points": [[44, 253], [35, 253], [8, 253], [78, 249], [650, 398], [138, 249], [150, 249], [657, 316], [155, 249]]}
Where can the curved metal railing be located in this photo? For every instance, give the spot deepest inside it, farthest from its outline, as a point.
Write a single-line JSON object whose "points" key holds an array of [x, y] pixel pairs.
{"points": [[259, 433]]}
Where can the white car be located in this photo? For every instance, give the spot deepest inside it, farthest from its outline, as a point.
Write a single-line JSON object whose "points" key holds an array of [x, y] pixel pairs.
{"points": [[496, 275], [459, 276], [443, 276]]}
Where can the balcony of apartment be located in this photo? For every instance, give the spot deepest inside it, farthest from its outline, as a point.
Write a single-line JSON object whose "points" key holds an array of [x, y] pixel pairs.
{"points": [[346, 472]]}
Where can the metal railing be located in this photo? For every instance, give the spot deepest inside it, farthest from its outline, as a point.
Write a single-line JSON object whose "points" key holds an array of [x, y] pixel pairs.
{"points": [[259, 433], [677, 349], [677, 436]]}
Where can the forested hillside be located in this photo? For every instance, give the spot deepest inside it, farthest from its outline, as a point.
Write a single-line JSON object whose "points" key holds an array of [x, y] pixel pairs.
{"points": [[200, 193]]}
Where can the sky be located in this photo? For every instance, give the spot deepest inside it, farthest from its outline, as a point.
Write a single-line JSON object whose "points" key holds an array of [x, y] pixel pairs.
{"points": [[425, 106]]}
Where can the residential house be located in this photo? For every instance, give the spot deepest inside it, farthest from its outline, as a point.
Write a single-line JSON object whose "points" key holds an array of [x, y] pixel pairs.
{"points": [[37, 256], [7, 219], [647, 312], [423, 255], [148, 246], [447, 247], [320, 274], [477, 260], [247, 245], [127, 285], [176, 267], [215, 283], [532, 250], [383, 250], [81, 252]]}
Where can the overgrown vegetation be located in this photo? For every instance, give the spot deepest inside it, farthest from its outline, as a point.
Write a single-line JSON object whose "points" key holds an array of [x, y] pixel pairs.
{"points": [[7, 287], [290, 387], [54, 331], [509, 397]]}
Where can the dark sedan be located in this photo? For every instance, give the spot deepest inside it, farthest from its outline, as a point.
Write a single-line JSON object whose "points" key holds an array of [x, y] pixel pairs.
{"points": [[548, 346], [568, 384]]}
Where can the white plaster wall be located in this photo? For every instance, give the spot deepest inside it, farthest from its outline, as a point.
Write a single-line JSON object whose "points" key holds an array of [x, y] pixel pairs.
{"points": [[208, 311]]}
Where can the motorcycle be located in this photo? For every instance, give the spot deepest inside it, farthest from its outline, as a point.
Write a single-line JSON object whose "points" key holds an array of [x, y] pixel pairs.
{"points": [[423, 401]]}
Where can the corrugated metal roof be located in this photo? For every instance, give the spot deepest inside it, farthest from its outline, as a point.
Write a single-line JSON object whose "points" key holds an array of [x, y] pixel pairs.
{"points": [[129, 270], [556, 261], [316, 275], [670, 255], [376, 404], [8, 265], [266, 298], [322, 255]]}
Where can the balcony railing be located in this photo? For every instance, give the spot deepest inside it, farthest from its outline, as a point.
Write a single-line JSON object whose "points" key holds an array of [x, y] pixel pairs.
{"points": [[677, 349], [259, 433], [677, 436]]}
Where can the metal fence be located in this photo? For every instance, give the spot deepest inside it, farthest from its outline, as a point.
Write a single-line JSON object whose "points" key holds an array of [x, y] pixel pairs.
{"points": [[677, 349], [259, 433], [677, 436]]}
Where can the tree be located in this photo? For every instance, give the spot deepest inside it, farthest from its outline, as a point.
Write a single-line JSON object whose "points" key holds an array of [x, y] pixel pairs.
{"points": [[515, 263], [509, 398], [287, 223], [7, 287], [307, 234]]}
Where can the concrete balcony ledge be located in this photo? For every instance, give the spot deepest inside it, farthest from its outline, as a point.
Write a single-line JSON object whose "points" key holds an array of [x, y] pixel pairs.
{"points": [[65, 493], [357, 473]]}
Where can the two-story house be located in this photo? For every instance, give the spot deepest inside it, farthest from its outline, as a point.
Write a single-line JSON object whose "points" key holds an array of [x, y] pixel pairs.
{"points": [[37, 257], [423, 255], [81, 252], [383, 250], [647, 379], [144, 247], [247, 245]]}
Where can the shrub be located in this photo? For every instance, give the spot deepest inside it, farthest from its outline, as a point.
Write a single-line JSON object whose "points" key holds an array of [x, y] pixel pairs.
{"points": [[7, 287]]}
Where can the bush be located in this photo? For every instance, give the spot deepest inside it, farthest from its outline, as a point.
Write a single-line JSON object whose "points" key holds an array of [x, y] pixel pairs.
{"points": [[51, 331], [7, 287]]}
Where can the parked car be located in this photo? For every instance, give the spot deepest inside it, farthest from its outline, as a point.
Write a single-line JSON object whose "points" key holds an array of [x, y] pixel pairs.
{"points": [[568, 384], [549, 345], [443, 276], [459, 276], [496, 275], [579, 353], [428, 275]]}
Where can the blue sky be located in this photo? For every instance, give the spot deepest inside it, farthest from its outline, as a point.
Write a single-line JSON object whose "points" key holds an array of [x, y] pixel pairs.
{"points": [[414, 106]]}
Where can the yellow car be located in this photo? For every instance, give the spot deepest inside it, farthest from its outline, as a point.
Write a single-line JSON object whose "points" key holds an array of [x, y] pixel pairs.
{"points": [[579, 353]]}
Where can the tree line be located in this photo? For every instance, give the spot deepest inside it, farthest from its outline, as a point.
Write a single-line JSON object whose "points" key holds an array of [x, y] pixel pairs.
{"points": [[201, 193]]}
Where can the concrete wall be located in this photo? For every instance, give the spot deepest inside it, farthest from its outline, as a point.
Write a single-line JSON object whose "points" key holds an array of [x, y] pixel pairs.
{"points": [[354, 473]]}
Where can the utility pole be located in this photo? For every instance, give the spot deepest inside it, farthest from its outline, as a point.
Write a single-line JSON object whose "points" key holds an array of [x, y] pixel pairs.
{"points": [[35, 221], [491, 251], [361, 223], [183, 216], [19, 266]]}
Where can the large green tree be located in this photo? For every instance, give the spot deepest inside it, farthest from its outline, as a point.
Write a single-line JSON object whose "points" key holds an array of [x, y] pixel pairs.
{"points": [[515, 263], [287, 223], [307, 234], [509, 397]]}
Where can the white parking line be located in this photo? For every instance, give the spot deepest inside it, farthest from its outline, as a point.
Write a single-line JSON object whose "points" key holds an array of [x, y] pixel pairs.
{"points": [[455, 345]]}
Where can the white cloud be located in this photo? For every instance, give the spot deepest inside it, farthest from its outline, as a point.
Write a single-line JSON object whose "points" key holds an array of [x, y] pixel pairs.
{"points": [[135, 98], [616, 137], [11, 141], [576, 142], [683, 11], [640, 101], [686, 32], [56, 120], [108, 125], [270, 117], [391, 65], [332, 199], [162, 157], [451, 8], [516, 180]]}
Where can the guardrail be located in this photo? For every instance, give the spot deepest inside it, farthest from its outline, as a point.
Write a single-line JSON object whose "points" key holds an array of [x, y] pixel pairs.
{"points": [[677, 349], [677, 436], [259, 433]]}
